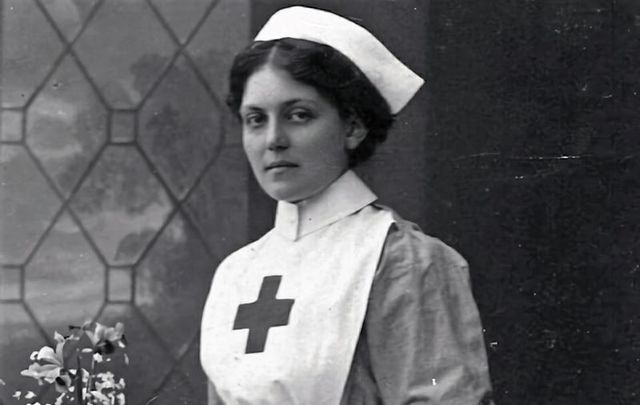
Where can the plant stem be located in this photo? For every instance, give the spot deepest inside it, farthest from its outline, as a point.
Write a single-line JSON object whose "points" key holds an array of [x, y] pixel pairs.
{"points": [[79, 398], [90, 380]]}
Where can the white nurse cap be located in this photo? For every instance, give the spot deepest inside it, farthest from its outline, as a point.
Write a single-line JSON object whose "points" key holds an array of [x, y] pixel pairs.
{"points": [[395, 81]]}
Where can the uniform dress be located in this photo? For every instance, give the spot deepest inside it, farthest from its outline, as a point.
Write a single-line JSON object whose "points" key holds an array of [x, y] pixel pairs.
{"points": [[399, 327]]}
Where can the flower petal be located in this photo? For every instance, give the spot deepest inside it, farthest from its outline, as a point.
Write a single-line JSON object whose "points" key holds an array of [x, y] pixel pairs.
{"points": [[58, 337], [60, 353], [92, 336], [46, 353], [41, 371], [100, 330], [115, 333]]}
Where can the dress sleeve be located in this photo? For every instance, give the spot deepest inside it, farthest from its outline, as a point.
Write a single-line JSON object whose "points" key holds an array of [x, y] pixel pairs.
{"points": [[422, 327]]}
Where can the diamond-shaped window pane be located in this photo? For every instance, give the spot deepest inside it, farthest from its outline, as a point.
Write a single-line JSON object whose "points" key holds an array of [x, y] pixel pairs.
{"points": [[120, 281], [11, 125], [122, 204], [125, 73], [66, 125], [192, 369], [225, 32], [150, 362], [219, 205], [176, 274], [65, 281], [19, 336], [27, 204], [182, 16], [29, 47], [178, 390], [123, 126], [180, 127], [69, 15], [10, 283]]}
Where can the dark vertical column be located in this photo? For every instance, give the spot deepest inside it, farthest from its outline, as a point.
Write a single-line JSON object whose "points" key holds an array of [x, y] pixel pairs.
{"points": [[534, 156], [618, 230]]}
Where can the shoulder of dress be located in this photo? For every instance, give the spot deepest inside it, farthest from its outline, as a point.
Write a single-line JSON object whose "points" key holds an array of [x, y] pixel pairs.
{"points": [[406, 243]]}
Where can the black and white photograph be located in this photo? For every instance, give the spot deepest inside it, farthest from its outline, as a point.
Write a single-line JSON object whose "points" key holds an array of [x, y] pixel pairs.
{"points": [[320, 202]]}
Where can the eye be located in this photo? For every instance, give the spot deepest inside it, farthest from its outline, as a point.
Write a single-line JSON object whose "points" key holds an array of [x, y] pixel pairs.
{"points": [[300, 115], [254, 119]]}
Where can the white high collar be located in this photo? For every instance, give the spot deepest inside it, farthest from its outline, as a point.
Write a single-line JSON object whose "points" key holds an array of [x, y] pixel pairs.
{"points": [[341, 198]]}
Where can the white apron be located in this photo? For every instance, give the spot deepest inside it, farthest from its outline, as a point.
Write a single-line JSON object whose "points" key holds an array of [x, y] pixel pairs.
{"points": [[284, 315]]}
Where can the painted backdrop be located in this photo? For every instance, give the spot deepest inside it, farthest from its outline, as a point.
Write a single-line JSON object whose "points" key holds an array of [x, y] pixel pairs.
{"points": [[122, 178]]}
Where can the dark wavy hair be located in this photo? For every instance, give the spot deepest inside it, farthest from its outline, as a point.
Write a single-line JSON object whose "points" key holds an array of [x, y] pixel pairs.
{"points": [[331, 73]]}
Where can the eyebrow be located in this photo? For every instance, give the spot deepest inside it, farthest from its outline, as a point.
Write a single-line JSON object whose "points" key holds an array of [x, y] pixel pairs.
{"points": [[287, 103]]}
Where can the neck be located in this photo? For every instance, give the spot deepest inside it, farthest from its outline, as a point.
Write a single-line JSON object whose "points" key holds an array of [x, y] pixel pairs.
{"points": [[305, 201]]}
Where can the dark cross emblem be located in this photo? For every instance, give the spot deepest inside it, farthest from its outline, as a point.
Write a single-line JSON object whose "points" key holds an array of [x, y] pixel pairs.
{"points": [[262, 314]]}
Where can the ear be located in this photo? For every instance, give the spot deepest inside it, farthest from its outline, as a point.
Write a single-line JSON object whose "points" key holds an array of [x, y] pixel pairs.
{"points": [[356, 132]]}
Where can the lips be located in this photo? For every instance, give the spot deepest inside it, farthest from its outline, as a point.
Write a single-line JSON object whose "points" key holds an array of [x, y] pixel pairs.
{"points": [[280, 164]]}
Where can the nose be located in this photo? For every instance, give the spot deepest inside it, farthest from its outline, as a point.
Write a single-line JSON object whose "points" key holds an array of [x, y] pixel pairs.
{"points": [[276, 137]]}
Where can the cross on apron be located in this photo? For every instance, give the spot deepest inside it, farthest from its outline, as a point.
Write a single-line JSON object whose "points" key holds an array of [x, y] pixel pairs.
{"points": [[264, 313]]}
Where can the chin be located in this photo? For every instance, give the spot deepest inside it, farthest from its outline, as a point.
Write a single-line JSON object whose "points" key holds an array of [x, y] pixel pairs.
{"points": [[288, 194], [288, 197], [283, 194]]}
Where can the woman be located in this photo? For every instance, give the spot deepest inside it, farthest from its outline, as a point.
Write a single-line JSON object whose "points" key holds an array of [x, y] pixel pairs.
{"points": [[342, 302]]}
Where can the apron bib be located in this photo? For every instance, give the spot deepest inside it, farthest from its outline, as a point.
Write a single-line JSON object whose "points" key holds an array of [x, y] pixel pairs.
{"points": [[283, 317]]}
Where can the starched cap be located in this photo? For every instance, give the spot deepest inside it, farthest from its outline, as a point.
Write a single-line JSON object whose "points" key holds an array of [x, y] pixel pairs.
{"points": [[395, 81]]}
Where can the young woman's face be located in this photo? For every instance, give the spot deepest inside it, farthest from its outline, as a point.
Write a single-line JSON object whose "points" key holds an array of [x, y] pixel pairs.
{"points": [[294, 138]]}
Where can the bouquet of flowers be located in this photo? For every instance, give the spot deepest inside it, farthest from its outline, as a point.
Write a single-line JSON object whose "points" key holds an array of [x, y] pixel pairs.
{"points": [[77, 367]]}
